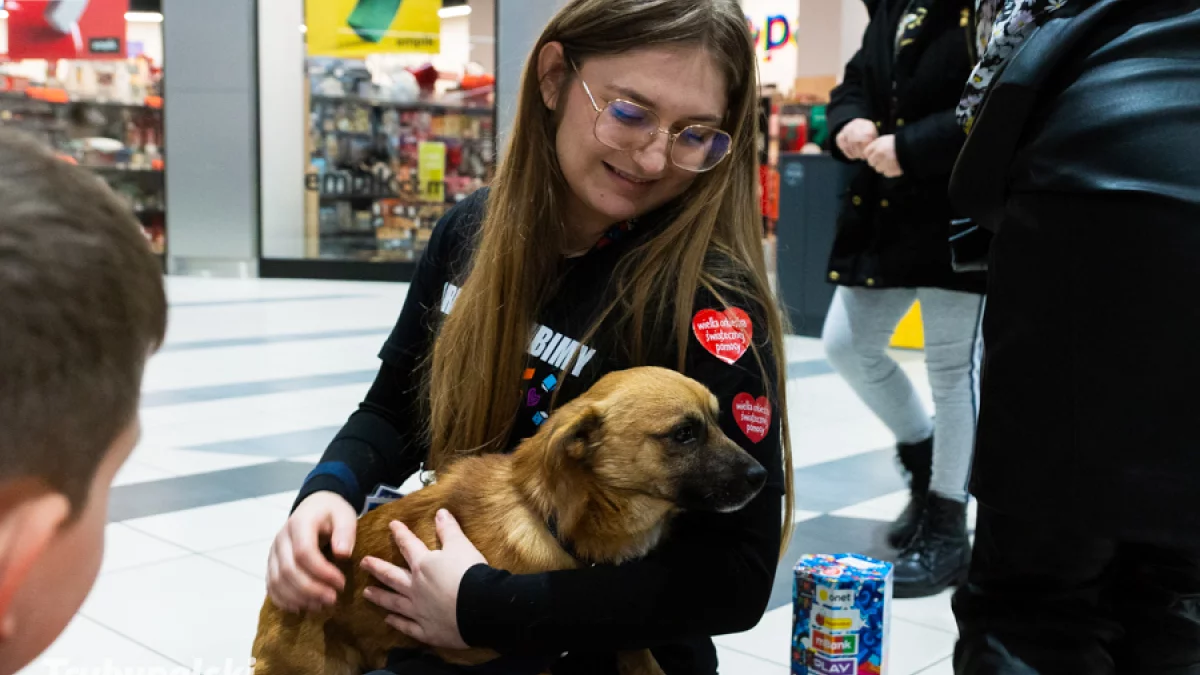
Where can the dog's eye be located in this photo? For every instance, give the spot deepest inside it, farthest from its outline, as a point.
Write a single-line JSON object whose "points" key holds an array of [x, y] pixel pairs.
{"points": [[685, 435]]}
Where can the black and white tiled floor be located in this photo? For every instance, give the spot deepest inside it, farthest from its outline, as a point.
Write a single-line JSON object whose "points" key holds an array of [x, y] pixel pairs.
{"points": [[256, 377]]}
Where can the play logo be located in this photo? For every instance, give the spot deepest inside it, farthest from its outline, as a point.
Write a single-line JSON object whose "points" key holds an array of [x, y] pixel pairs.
{"points": [[823, 666], [834, 645]]}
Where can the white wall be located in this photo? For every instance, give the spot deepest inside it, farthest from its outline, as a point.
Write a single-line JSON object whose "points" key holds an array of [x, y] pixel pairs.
{"points": [[471, 38], [150, 35], [456, 39], [483, 33], [854, 24], [282, 127]]}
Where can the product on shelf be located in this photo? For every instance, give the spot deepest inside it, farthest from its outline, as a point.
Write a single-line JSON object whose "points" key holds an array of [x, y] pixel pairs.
{"points": [[377, 201], [103, 115]]}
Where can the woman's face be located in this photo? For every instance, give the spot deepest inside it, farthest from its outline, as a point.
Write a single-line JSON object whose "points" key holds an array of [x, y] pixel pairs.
{"points": [[682, 85]]}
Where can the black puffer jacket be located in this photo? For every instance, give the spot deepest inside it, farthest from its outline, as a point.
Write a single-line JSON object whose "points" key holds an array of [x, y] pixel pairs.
{"points": [[893, 232], [1085, 161]]}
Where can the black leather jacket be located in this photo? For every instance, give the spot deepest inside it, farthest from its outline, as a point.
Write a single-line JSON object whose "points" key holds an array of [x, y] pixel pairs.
{"points": [[1085, 161]]}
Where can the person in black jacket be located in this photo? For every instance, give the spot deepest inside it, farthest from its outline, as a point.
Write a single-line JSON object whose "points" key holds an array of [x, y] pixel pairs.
{"points": [[621, 230], [1084, 161], [894, 116]]}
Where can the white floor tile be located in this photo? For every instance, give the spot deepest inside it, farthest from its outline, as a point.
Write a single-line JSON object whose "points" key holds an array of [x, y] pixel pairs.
{"points": [[800, 515], [90, 647], [732, 662], [932, 612], [187, 609], [770, 640], [828, 422], [803, 348], [214, 527], [250, 558], [187, 462], [886, 508], [914, 648], [254, 363], [945, 667], [249, 424], [345, 397], [281, 500], [134, 471], [125, 547]]}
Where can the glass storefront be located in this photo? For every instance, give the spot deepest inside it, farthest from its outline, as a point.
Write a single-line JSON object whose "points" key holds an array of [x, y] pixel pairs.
{"points": [[399, 128]]}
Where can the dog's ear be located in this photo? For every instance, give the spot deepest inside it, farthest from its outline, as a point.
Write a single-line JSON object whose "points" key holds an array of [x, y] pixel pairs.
{"points": [[578, 433]]}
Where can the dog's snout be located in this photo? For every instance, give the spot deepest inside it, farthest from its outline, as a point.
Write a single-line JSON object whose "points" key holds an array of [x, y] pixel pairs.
{"points": [[756, 476]]}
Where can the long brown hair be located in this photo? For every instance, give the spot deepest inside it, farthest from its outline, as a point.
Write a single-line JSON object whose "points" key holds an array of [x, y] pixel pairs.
{"points": [[712, 239]]}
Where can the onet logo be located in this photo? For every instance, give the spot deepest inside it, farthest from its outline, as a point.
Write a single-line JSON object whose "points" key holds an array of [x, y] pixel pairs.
{"points": [[836, 598]]}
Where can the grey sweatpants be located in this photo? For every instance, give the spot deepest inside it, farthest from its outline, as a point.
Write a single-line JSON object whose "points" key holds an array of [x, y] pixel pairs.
{"points": [[859, 329]]}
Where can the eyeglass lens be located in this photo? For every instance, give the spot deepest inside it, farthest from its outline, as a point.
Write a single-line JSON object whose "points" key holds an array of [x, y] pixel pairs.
{"points": [[628, 126]]}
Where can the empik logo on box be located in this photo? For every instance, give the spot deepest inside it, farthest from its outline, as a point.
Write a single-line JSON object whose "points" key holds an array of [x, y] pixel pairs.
{"points": [[834, 645]]}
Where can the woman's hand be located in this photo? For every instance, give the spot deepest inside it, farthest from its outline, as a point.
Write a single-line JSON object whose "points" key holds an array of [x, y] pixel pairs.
{"points": [[299, 577], [855, 136], [881, 155], [424, 604]]}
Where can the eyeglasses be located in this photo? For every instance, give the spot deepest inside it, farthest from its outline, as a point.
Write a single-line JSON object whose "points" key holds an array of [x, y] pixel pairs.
{"points": [[629, 127]]}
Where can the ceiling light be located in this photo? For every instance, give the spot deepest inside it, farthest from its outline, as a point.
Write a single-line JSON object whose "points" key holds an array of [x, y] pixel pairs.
{"points": [[144, 17], [455, 11]]}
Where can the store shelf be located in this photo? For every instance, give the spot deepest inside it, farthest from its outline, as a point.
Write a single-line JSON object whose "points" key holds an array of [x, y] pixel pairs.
{"points": [[20, 97], [359, 197], [401, 105], [98, 168], [338, 234]]}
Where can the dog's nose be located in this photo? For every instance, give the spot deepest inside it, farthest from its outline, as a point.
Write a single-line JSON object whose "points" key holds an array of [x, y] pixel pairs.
{"points": [[756, 475]]}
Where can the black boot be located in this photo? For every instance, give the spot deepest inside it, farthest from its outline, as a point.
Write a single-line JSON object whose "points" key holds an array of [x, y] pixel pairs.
{"points": [[917, 460], [939, 554]]}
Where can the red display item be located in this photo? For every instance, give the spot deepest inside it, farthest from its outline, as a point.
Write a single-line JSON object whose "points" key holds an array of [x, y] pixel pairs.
{"points": [[66, 29], [426, 76]]}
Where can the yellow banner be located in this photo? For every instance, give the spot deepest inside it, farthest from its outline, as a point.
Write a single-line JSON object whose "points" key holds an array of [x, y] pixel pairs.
{"points": [[431, 171], [355, 28]]}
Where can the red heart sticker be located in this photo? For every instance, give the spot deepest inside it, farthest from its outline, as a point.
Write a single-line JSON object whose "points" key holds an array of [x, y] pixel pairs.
{"points": [[726, 335], [753, 416]]}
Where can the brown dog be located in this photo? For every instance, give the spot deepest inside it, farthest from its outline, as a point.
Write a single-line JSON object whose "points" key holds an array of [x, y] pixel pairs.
{"points": [[608, 468]]}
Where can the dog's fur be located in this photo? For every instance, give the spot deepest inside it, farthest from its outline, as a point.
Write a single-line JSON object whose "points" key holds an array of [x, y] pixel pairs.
{"points": [[611, 466]]}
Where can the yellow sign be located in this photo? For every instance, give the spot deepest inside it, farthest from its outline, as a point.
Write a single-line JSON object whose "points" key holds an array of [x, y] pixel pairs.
{"points": [[431, 171], [355, 28]]}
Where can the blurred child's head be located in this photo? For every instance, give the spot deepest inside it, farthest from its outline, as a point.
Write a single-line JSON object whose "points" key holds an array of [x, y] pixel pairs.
{"points": [[81, 309]]}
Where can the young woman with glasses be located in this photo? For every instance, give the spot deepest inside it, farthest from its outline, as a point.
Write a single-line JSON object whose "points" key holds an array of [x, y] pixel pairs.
{"points": [[622, 229]]}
